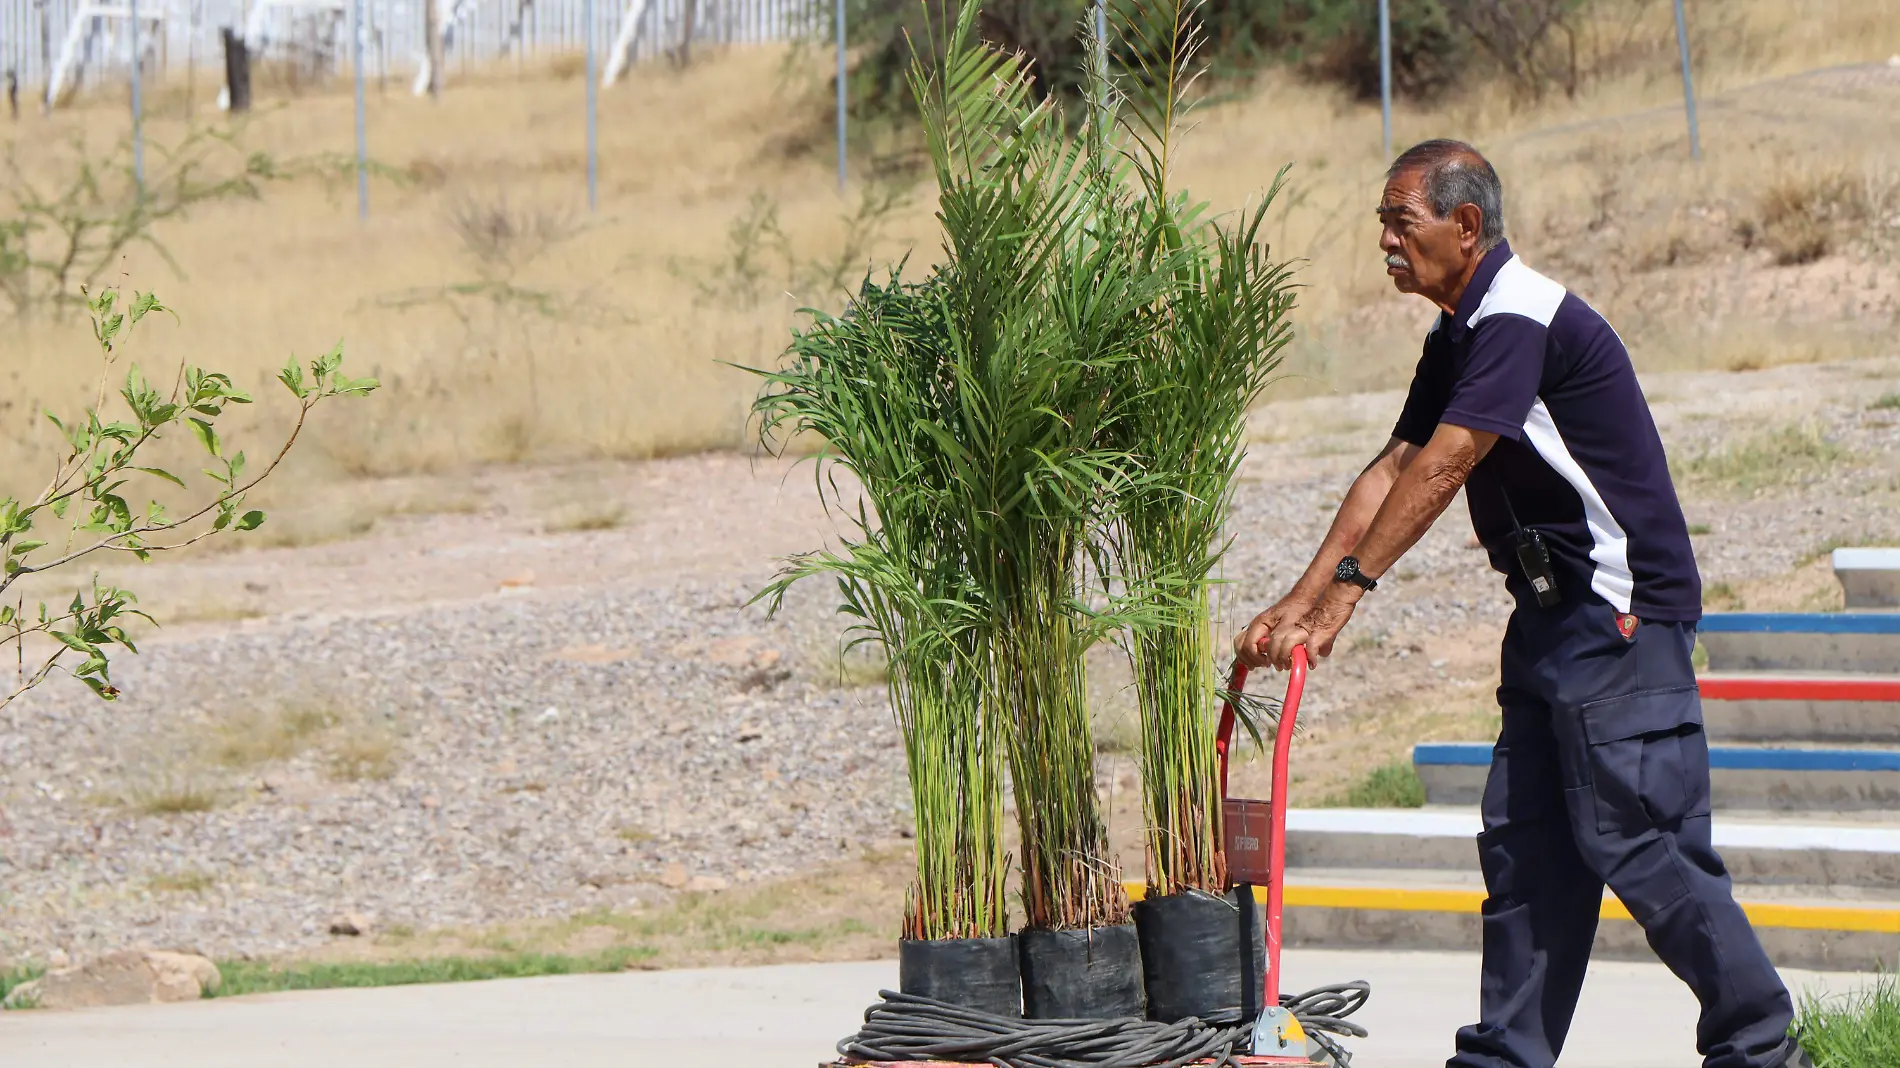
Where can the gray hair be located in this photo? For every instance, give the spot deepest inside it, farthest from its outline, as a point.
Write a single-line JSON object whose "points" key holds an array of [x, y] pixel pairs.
{"points": [[1456, 174]]}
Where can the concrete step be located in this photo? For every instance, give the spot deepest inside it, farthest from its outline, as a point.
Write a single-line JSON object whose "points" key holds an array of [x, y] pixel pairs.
{"points": [[1776, 778], [1802, 641], [1400, 910], [1850, 860], [1791, 707], [1869, 577]]}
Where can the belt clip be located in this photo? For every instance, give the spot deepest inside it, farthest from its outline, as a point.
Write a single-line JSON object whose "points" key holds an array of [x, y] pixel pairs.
{"points": [[1626, 626]]}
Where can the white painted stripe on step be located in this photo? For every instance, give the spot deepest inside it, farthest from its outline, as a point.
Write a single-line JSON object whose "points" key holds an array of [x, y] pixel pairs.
{"points": [[1466, 823], [1867, 559]]}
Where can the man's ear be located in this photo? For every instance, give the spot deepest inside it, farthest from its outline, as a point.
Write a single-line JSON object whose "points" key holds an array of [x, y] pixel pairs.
{"points": [[1470, 219]]}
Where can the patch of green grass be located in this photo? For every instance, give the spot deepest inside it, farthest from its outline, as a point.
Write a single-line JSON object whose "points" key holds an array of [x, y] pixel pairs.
{"points": [[1886, 402], [258, 977], [1771, 459], [1699, 658], [1395, 785], [18, 975], [1856, 1030], [1721, 596], [1698, 528]]}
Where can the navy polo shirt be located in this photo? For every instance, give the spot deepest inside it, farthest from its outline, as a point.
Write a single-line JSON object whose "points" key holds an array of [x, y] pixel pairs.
{"points": [[1577, 457]]}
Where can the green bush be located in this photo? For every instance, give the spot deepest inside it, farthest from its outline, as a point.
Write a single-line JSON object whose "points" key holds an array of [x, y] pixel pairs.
{"points": [[1332, 40], [1395, 785]]}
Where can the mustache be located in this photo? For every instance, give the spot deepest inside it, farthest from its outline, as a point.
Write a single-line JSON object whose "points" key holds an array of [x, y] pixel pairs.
{"points": [[1396, 260]]}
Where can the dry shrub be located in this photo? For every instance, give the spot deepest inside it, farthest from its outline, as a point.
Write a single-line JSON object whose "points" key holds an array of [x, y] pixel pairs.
{"points": [[260, 736], [363, 754], [1799, 217]]}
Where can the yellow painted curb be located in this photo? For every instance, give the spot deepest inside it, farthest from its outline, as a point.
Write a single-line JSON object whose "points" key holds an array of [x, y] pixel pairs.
{"points": [[1874, 919]]}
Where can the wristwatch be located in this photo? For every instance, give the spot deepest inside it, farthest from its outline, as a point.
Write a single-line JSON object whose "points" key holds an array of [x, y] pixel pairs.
{"points": [[1348, 571]]}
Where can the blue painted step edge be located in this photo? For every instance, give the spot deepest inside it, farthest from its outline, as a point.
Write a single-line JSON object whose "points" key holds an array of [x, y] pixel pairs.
{"points": [[1720, 756], [1800, 623]]}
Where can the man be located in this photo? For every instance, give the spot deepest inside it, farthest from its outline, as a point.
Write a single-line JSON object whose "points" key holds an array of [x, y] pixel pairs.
{"points": [[1526, 398]]}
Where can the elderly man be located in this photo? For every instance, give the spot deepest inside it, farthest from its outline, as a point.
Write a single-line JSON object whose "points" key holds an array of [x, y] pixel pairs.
{"points": [[1526, 398]]}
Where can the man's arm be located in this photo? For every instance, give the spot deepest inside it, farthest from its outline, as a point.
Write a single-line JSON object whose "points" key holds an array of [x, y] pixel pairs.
{"points": [[1418, 496], [1355, 514]]}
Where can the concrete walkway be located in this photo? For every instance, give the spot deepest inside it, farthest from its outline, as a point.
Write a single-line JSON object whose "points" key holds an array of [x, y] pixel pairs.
{"points": [[1633, 1016]]}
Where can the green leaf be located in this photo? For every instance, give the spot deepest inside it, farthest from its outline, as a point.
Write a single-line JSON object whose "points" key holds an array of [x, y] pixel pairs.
{"points": [[160, 472], [206, 435], [6, 614], [250, 520], [292, 378], [73, 642], [21, 548]]}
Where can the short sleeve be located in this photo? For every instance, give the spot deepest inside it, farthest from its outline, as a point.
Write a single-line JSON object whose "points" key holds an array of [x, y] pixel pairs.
{"points": [[1498, 384], [1424, 402]]}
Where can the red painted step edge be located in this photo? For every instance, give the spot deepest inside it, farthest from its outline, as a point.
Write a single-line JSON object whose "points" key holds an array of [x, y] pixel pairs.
{"points": [[1796, 688]]}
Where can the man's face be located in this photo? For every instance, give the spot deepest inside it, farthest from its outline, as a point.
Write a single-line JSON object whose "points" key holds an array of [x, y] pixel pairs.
{"points": [[1423, 254]]}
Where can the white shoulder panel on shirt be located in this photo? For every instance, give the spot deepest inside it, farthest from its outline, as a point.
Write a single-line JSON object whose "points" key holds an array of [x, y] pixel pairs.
{"points": [[1518, 290]]}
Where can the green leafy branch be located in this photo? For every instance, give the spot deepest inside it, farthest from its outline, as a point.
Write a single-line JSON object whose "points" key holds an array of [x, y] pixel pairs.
{"points": [[88, 493]]}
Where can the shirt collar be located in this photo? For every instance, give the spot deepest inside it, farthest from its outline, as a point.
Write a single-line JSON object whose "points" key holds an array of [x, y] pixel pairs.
{"points": [[1480, 284]]}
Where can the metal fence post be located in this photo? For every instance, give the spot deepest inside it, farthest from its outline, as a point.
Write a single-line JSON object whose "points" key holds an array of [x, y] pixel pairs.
{"points": [[1688, 84], [593, 139], [841, 94], [138, 108], [362, 139], [1385, 74]]}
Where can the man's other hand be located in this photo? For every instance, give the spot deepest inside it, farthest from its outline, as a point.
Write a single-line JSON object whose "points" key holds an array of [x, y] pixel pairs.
{"points": [[1250, 645], [1316, 630]]}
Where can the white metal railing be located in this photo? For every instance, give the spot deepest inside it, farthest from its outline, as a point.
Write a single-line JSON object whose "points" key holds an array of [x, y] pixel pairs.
{"points": [[93, 37]]}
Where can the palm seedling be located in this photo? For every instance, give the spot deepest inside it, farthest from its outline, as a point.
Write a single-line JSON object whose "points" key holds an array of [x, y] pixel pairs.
{"points": [[870, 385], [1040, 315], [1218, 326]]}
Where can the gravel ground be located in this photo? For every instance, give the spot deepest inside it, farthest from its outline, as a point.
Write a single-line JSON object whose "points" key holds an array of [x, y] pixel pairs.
{"points": [[544, 750]]}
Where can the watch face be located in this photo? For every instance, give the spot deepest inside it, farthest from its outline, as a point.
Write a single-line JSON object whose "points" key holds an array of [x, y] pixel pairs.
{"points": [[1346, 570]]}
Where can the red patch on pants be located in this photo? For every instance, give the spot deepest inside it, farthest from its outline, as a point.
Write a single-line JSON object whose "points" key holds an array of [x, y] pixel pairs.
{"points": [[1626, 626]]}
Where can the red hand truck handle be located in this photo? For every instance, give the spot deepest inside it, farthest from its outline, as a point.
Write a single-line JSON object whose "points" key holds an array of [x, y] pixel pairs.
{"points": [[1276, 804]]}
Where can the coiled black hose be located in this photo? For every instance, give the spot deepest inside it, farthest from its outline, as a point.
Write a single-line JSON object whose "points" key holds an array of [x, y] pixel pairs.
{"points": [[905, 1027]]}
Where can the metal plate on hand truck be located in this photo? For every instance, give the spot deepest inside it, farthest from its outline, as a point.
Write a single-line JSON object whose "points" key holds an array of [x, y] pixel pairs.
{"points": [[1249, 832]]}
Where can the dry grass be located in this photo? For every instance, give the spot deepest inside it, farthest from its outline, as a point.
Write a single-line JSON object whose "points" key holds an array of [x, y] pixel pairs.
{"points": [[595, 515], [252, 737], [168, 797], [346, 746], [615, 349], [844, 912], [182, 882], [1773, 458], [364, 753]]}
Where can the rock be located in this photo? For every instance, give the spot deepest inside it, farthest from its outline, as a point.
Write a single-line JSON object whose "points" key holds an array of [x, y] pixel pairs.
{"points": [[127, 977], [350, 924], [57, 959], [182, 976], [673, 876], [705, 883]]}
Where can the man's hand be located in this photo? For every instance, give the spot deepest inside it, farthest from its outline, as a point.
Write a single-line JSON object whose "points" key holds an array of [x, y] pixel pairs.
{"points": [[1250, 645], [1317, 629]]}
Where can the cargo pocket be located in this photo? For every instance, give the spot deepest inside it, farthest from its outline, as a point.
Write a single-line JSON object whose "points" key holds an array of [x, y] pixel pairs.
{"points": [[1648, 759]]}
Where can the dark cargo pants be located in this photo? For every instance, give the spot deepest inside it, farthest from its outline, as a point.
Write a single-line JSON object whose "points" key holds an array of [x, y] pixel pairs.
{"points": [[1601, 775]]}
